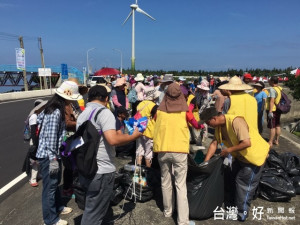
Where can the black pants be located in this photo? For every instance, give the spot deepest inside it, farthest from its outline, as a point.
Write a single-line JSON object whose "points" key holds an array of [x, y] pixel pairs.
{"points": [[98, 196], [241, 183]]}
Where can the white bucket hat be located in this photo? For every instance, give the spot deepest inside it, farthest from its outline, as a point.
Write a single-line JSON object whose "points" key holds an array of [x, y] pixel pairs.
{"points": [[69, 91], [139, 77]]}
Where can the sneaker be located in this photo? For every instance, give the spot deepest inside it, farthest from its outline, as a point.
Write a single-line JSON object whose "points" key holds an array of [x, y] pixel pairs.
{"points": [[66, 210], [191, 222], [61, 222], [34, 184]]}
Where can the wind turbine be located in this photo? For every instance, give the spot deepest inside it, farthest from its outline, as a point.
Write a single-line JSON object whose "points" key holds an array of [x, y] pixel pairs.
{"points": [[134, 7]]}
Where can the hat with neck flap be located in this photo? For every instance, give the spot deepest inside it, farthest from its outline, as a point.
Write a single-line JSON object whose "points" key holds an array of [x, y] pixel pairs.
{"points": [[173, 100]]}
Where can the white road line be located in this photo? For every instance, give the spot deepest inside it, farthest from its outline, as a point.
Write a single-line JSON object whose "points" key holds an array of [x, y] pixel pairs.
{"points": [[289, 139], [12, 183], [25, 99]]}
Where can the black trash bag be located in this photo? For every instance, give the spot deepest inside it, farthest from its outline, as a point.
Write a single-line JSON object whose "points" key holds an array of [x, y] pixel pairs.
{"points": [[296, 184], [79, 192], [274, 161], [291, 163], [141, 193], [205, 187], [118, 178], [117, 196], [276, 186]]}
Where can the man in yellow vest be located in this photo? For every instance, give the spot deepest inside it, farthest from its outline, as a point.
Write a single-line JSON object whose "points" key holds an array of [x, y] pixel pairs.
{"points": [[171, 142], [249, 151], [273, 114], [240, 103]]}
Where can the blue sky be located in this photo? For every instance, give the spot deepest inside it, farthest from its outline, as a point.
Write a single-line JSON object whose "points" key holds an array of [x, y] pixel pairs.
{"points": [[187, 34]]}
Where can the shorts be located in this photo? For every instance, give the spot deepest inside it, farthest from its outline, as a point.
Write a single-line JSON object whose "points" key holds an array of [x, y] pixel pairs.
{"points": [[144, 147], [275, 121]]}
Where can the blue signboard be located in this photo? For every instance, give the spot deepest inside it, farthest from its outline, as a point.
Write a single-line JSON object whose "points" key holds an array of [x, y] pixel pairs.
{"points": [[64, 71]]}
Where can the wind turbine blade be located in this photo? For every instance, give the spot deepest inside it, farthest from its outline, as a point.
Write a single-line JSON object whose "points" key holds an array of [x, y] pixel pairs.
{"points": [[127, 17], [143, 12]]}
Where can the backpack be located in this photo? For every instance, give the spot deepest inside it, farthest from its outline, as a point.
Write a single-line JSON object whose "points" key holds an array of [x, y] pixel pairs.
{"points": [[27, 131], [132, 95], [284, 105], [79, 151]]}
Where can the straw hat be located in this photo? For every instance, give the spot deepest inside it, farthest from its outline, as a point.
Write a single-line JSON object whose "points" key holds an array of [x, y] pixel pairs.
{"points": [[69, 91], [139, 77], [235, 84]]}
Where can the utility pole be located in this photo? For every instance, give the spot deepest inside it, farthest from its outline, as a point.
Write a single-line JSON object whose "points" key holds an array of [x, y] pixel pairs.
{"points": [[24, 71], [43, 64]]}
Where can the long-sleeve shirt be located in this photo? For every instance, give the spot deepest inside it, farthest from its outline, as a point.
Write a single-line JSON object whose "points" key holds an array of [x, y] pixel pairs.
{"points": [[51, 134]]}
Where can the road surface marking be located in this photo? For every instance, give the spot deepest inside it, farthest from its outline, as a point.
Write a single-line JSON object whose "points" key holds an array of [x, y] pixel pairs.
{"points": [[12, 183], [25, 99]]}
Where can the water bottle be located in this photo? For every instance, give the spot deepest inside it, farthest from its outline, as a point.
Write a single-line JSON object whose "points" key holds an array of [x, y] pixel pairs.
{"points": [[129, 168]]}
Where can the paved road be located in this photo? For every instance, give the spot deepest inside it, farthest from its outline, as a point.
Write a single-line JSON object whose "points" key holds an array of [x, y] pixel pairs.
{"points": [[12, 148]]}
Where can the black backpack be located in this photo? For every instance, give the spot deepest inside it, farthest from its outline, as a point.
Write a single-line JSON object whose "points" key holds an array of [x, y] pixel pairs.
{"points": [[83, 158], [284, 105]]}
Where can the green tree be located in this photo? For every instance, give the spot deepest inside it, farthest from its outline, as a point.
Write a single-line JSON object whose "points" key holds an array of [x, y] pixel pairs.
{"points": [[294, 84]]}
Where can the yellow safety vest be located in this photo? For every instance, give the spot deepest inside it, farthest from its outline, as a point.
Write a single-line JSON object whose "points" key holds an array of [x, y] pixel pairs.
{"points": [[256, 154], [171, 133], [146, 107], [243, 104], [195, 110], [277, 99]]}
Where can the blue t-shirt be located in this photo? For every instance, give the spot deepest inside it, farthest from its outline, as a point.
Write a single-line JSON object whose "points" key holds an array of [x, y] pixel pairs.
{"points": [[259, 98]]}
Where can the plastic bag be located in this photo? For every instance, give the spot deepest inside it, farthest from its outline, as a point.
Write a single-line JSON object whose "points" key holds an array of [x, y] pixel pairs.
{"points": [[276, 186], [296, 184], [291, 163], [132, 123], [205, 187]]}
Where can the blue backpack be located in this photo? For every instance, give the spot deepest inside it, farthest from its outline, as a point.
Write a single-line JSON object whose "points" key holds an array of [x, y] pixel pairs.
{"points": [[132, 95]]}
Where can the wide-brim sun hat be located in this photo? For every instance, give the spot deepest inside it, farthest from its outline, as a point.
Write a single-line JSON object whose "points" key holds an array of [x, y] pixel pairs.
{"points": [[167, 78], [173, 101], [151, 94], [81, 88], [120, 82], [203, 85], [235, 84], [107, 88], [40, 103], [69, 90], [139, 77]]}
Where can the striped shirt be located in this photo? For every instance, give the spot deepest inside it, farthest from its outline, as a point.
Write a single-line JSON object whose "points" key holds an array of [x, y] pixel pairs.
{"points": [[51, 135]]}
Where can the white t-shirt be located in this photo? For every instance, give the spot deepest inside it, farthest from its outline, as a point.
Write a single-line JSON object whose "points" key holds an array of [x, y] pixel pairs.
{"points": [[32, 119]]}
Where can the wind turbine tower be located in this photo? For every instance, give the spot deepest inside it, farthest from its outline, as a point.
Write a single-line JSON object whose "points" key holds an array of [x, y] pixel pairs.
{"points": [[134, 7]]}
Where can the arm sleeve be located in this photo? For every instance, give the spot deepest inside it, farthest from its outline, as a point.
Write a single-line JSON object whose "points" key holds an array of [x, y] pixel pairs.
{"points": [[33, 134], [115, 101], [226, 105], [241, 128]]}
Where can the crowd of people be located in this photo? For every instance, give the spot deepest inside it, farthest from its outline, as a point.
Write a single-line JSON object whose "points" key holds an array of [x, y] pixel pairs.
{"points": [[176, 110]]}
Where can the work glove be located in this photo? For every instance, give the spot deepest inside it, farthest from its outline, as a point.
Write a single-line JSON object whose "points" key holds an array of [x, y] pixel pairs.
{"points": [[53, 167], [270, 115]]}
